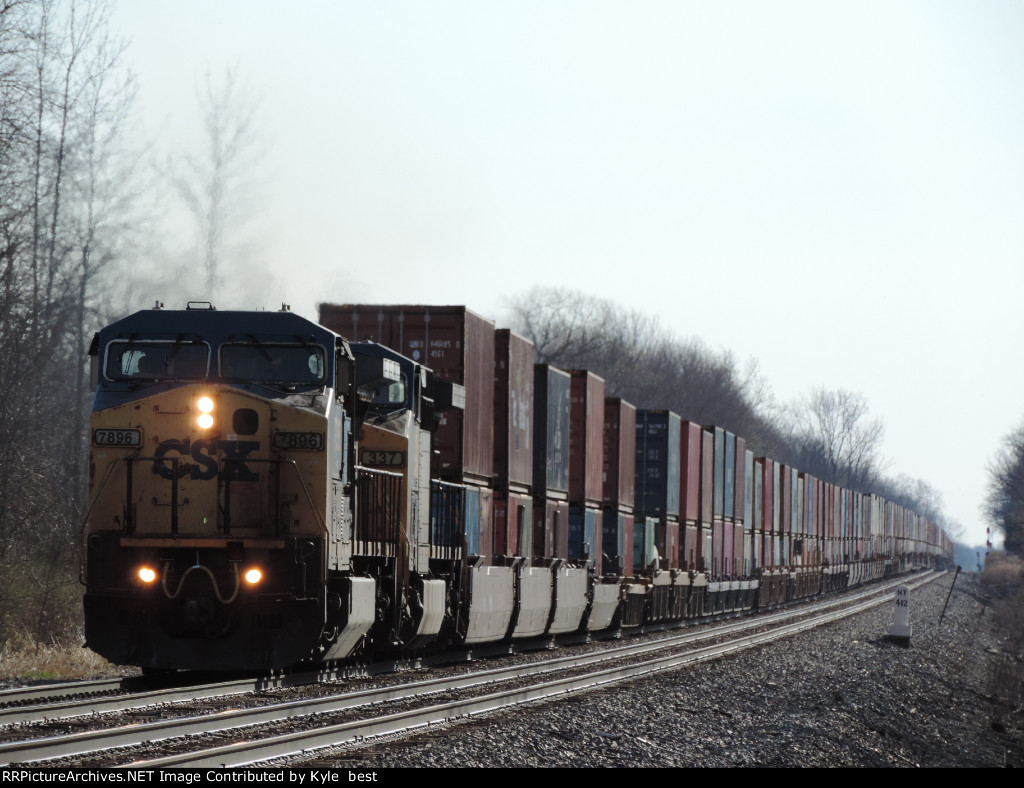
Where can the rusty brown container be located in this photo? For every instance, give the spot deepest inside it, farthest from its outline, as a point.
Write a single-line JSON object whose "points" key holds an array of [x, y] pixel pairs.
{"points": [[586, 438], [513, 524], [458, 345], [690, 472], [619, 454], [513, 411], [668, 543], [717, 549], [550, 528], [707, 476], [738, 566], [688, 559], [728, 548]]}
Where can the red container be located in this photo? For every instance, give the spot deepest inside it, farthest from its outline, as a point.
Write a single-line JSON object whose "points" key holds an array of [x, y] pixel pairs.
{"points": [[690, 472], [619, 454], [550, 528], [717, 548], [513, 411], [785, 499], [707, 476], [668, 543], [458, 345], [728, 549], [586, 438], [737, 547], [513, 514], [688, 559]]}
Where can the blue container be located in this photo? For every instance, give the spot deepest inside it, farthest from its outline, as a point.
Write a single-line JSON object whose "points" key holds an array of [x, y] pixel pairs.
{"points": [[583, 524], [730, 476], [472, 520], [447, 514], [658, 435], [643, 544], [551, 387]]}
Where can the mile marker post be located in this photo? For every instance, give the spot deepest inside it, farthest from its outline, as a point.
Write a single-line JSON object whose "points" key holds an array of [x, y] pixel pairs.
{"points": [[899, 633]]}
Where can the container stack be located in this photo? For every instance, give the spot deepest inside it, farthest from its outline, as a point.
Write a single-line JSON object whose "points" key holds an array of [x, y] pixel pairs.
{"points": [[551, 389], [586, 466], [738, 462], [750, 556], [458, 345], [706, 538], [689, 497], [513, 444], [616, 555], [657, 484]]}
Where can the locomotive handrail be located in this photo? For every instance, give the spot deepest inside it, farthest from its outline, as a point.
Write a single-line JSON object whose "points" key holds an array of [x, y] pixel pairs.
{"points": [[82, 573], [129, 524], [305, 491]]}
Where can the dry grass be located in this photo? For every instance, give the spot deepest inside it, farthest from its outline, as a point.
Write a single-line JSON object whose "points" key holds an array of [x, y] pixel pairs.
{"points": [[24, 661], [1003, 573], [1003, 578]]}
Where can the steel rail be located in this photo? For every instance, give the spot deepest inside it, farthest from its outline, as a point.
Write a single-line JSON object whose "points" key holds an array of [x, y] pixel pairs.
{"points": [[59, 690], [144, 696], [301, 743]]}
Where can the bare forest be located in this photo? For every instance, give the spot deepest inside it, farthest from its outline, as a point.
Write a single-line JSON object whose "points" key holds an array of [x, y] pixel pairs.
{"points": [[829, 433], [80, 244]]}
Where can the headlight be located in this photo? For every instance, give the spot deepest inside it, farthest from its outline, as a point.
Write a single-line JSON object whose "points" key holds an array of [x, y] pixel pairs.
{"points": [[253, 576], [146, 574], [205, 420]]}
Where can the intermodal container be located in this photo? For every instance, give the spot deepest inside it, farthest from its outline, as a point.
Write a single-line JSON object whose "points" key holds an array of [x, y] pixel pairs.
{"points": [[586, 437], [585, 533], [458, 345], [689, 482], [619, 454], [707, 477], [513, 524], [740, 483], [551, 389], [550, 528], [617, 543], [513, 411], [729, 489], [657, 463]]}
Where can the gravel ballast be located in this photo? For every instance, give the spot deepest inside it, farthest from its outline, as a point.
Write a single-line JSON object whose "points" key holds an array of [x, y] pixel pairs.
{"points": [[842, 695]]}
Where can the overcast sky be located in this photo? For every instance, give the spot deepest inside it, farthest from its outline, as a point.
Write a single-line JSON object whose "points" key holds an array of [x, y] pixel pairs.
{"points": [[834, 188]]}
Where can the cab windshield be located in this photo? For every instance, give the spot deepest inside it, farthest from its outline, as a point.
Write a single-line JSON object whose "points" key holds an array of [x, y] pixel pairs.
{"points": [[268, 363], [157, 361]]}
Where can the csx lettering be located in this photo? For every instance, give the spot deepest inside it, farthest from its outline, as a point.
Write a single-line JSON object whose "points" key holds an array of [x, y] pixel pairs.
{"points": [[203, 453]]}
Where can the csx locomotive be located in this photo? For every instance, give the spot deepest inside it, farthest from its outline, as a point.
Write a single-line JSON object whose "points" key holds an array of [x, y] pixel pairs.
{"points": [[265, 492]]}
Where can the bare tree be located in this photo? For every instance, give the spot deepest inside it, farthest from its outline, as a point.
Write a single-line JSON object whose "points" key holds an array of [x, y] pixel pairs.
{"points": [[644, 362], [1004, 504], [61, 105], [215, 183], [837, 439]]}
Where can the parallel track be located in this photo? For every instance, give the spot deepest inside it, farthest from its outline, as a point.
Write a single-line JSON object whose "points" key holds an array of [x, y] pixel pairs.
{"points": [[292, 744]]}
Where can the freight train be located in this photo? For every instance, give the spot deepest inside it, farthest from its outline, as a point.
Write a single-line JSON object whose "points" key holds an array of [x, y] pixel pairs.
{"points": [[265, 491]]}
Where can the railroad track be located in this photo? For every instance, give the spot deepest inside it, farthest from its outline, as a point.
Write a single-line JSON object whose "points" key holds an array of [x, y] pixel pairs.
{"points": [[350, 718]]}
